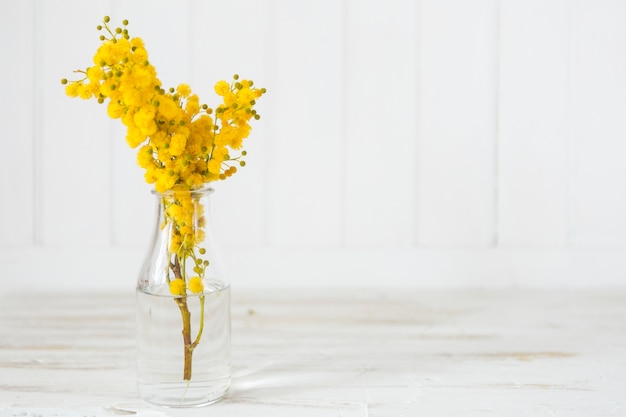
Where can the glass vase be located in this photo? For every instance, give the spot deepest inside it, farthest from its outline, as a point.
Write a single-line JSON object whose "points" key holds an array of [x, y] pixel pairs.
{"points": [[183, 307]]}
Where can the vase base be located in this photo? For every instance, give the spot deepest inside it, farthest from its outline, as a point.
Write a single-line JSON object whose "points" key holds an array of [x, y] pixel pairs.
{"points": [[172, 396]]}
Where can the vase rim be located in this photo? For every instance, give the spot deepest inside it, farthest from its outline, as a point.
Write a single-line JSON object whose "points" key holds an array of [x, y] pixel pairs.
{"points": [[204, 190]]}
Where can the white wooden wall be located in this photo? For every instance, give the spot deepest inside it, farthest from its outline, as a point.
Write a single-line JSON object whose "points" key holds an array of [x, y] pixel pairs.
{"points": [[403, 143]]}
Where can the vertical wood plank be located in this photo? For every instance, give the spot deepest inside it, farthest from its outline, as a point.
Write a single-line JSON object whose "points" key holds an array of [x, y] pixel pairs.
{"points": [[456, 176], [229, 38], [17, 111], [75, 160], [131, 204], [598, 150], [306, 176], [534, 122], [381, 112], [165, 29]]}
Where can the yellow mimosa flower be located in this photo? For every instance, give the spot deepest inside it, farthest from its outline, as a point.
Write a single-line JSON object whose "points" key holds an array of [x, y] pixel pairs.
{"points": [[177, 286], [195, 285]]}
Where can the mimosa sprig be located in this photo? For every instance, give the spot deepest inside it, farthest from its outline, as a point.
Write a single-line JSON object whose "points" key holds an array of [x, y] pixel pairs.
{"points": [[182, 143]]}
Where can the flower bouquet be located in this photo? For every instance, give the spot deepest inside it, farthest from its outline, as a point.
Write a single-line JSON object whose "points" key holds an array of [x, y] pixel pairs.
{"points": [[182, 145]]}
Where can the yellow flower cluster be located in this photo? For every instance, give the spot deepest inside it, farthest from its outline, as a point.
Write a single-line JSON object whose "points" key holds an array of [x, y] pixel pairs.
{"points": [[188, 228], [183, 143], [179, 287]]}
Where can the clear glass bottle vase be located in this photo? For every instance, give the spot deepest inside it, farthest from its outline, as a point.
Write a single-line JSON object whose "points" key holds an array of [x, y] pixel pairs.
{"points": [[183, 307]]}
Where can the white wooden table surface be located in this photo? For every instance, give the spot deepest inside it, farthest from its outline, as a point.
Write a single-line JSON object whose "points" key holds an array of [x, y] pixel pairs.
{"points": [[384, 354]]}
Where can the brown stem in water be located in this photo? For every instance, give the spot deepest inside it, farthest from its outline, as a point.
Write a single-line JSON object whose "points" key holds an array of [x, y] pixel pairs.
{"points": [[188, 346], [186, 316]]}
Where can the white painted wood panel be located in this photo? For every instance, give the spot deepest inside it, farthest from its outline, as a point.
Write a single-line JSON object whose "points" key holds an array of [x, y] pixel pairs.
{"points": [[458, 91], [385, 173], [131, 202], [598, 154], [306, 148], [534, 121], [97, 269], [228, 38], [17, 116], [164, 25], [381, 121], [73, 134]]}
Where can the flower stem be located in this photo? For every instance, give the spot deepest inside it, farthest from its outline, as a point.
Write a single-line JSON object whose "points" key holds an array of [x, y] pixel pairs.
{"points": [[186, 316], [188, 346], [183, 306], [195, 343]]}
